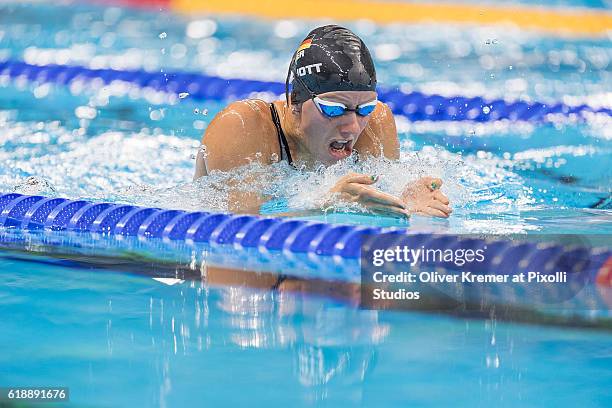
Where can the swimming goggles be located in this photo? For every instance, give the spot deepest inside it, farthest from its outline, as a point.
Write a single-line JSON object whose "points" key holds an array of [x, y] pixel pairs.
{"points": [[335, 109]]}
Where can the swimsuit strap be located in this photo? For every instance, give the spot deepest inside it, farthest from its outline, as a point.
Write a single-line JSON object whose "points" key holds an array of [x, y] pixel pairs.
{"points": [[282, 140], [281, 279]]}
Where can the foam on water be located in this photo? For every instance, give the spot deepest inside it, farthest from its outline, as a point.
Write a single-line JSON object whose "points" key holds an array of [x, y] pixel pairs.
{"points": [[152, 169]]}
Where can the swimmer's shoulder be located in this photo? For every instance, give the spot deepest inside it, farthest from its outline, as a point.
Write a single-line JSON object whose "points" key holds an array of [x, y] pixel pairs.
{"points": [[245, 115], [380, 135], [238, 133]]}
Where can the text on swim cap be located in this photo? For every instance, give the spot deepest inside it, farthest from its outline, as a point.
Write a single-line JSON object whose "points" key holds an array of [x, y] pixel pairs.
{"points": [[301, 71]]}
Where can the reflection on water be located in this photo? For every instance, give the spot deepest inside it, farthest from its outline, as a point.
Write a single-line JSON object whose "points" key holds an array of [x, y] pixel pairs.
{"points": [[111, 321], [231, 339], [332, 342]]}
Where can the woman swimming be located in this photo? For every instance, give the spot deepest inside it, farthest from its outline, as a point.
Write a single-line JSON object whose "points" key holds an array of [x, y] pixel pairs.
{"points": [[331, 114]]}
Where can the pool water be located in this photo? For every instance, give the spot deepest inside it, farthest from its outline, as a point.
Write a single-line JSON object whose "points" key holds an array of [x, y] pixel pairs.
{"points": [[122, 340], [117, 337]]}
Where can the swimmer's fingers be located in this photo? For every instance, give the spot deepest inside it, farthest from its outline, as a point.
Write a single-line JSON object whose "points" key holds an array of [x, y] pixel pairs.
{"points": [[360, 178], [388, 210], [432, 183], [358, 188], [431, 212], [438, 195], [367, 194], [353, 184], [431, 208], [442, 207]]}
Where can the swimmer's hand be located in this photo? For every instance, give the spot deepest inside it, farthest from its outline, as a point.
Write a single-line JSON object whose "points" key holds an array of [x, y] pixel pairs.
{"points": [[358, 188], [423, 197]]}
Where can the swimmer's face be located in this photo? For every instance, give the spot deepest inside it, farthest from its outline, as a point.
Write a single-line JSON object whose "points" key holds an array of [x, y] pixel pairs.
{"points": [[332, 139]]}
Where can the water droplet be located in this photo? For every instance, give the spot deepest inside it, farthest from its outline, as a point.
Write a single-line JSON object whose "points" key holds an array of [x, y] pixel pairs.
{"points": [[486, 110], [183, 95], [196, 111], [156, 114], [274, 158], [85, 112], [204, 112], [510, 67], [492, 76], [162, 35]]}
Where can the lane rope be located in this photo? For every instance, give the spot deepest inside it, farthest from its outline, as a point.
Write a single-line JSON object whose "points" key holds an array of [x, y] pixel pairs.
{"points": [[313, 248], [35, 212], [415, 106]]}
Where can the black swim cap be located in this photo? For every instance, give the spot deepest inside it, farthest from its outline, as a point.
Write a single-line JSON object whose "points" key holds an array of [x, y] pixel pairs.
{"points": [[331, 58]]}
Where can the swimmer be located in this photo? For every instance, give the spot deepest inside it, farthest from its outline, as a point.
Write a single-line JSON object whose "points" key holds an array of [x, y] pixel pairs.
{"points": [[331, 114]]}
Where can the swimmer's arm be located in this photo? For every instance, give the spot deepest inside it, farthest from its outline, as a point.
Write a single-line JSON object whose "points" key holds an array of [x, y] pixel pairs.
{"points": [[236, 137], [233, 139]]}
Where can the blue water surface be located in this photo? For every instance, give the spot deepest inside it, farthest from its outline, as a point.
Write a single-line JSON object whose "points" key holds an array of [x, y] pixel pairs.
{"points": [[136, 145], [118, 338]]}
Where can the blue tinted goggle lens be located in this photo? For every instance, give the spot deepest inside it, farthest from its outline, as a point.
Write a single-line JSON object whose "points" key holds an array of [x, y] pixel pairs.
{"points": [[366, 110], [332, 111]]}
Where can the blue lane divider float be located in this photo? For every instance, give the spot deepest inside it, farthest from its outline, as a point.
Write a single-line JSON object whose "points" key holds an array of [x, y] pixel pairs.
{"points": [[312, 249], [241, 231], [288, 236], [416, 106]]}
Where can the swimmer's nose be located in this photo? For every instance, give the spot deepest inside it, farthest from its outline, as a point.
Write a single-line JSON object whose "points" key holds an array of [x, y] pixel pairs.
{"points": [[349, 125]]}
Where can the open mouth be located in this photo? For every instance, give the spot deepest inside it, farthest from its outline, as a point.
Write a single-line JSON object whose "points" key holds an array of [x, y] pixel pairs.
{"points": [[340, 149]]}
